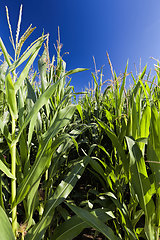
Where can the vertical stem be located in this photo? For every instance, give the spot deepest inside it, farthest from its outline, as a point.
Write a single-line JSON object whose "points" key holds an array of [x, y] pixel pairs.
{"points": [[157, 214], [13, 181], [46, 189], [157, 233], [22, 237], [1, 197]]}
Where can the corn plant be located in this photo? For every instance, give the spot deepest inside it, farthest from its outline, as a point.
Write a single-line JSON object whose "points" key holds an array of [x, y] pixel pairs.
{"points": [[33, 122], [66, 167], [141, 130], [126, 163]]}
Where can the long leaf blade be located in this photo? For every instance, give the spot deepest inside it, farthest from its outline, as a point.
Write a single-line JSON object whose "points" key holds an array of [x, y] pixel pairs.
{"points": [[74, 226], [141, 184], [61, 193], [5, 226], [45, 152], [5, 170], [93, 221], [11, 96]]}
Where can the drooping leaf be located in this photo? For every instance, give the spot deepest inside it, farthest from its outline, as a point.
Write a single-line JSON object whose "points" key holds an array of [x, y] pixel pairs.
{"points": [[45, 152], [60, 194], [76, 71], [26, 69], [74, 226], [6, 232], [93, 221], [127, 224], [41, 101], [4, 50], [26, 54], [141, 184], [5, 170]]}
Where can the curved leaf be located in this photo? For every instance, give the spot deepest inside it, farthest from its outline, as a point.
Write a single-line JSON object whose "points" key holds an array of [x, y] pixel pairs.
{"points": [[45, 152], [116, 143], [6, 232], [61, 193], [11, 97], [74, 226], [141, 184], [5, 170], [93, 221]]}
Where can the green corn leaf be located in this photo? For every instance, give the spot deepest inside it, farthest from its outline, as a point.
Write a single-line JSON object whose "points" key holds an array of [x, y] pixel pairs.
{"points": [[139, 175], [141, 184], [41, 101], [145, 92], [143, 73], [93, 221], [40, 164], [136, 90], [61, 120], [116, 144], [96, 88], [109, 116], [124, 215], [97, 167], [135, 122], [133, 78], [42, 67], [155, 129], [74, 226], [20, 101], [26, 54], [62, 70], [11, 97], [68, 142], [79, 108], [5, 226], [104, 150], [24, 73], [145, 122], [145, 126], [75, 143], [32, 125], [69, 229], [45, 152], [5, 170], [61, 193], [154, 162], [23, 147], [153, 148], [6, 55], [3, 110], [153, 155], [122, 86], [1, 193], [5, 131], [31, 94], [76, 71], [3, 69], [32, 202]]}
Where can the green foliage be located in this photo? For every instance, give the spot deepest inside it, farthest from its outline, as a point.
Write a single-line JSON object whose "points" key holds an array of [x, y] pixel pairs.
{"points": [[5, 226], [67, 166]]}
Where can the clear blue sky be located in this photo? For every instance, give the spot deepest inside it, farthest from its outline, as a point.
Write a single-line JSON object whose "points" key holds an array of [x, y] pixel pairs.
{"points": [[127, 29]]}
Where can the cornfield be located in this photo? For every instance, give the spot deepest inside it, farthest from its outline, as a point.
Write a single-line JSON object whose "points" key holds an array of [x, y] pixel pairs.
{"points": [[68, 165]]}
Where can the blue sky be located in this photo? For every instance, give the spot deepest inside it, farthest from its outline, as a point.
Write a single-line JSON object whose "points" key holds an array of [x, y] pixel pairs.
{"points": [[126, 29]]}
